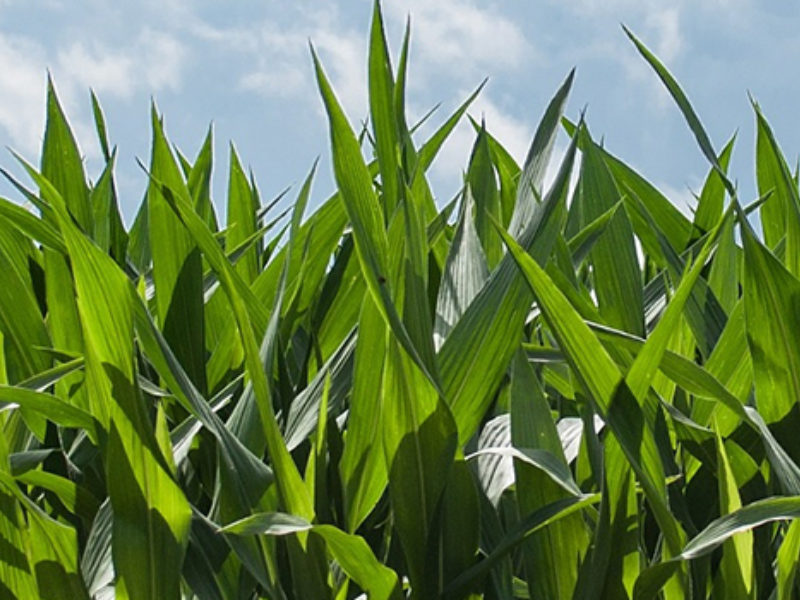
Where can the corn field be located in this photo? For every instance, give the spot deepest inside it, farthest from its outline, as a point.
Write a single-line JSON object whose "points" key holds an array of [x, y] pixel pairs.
{"points": [[558, 392]]}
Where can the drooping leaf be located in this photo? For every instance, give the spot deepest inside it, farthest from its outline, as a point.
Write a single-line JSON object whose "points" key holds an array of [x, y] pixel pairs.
{"points": [[350, 551]]}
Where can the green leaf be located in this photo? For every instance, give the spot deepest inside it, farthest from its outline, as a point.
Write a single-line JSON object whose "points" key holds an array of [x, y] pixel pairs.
{"points": [[615, 266], [787, 563], [641, 373], [16, 575], [152, 514], [601, 378], [508, 174], [247, 310], [177, 264], [476, 354], [62, 164], [526, 527], [77, 498], [582, 242], [100, 125], [460, 514], [31, 226], [686, 108], [686, 373], [481, 183], [382, 111], [241, 217], [198, 180], [304, 410], [712, 196], [531, 181], [252, 476], [431, 148], [771, 294], [753, 515], [20, 317], [63, 321], [363, 471], [735, 578], [109, 232], [725, 272], [612, 565], [417, 317], [552, 555], [350, 551], [465, 273], [97, 566], [672, 223], [267, 524], [53, 551], [419, 441], [51, 407], [780, 213], [544, 460], [367, 220]]}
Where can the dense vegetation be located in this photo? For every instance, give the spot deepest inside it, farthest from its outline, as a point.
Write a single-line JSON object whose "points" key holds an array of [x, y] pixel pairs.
{"points": [[575, 392]]}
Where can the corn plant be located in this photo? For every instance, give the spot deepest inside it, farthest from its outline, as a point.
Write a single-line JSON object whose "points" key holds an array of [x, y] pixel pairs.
{"points": [[563, 393]]}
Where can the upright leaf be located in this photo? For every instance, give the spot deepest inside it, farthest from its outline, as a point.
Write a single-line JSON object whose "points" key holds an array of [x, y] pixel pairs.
{"points": [[735, 576], [538, 159], [241, 217], [382, 111], [477, 352], [369, 235], [602, 380], [465, 273], [780, 213], [482, 184], [151, 527], [771, 296], [615, 266], [551, 556], [419, 440], [363, 470], [712, 196], [177, 264], [62, 164]]}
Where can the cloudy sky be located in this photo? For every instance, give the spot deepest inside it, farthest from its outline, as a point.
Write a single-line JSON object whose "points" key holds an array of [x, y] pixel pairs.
{"points": [[245, 66]]}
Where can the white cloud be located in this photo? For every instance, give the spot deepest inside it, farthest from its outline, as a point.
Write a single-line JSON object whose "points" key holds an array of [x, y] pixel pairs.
{"points": [[89, 67], [660, 31], [462, 38], [452, 40], [161, 60], [593, 8], [22, 91], [282, 61], [278, 54], [664, 27], [152, 62]]}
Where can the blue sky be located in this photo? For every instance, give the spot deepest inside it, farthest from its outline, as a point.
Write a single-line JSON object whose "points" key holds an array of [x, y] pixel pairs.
{"points": [[245, 66]]}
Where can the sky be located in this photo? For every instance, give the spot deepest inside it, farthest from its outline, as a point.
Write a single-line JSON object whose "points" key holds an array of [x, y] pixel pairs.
{"points": [[245, 66]]}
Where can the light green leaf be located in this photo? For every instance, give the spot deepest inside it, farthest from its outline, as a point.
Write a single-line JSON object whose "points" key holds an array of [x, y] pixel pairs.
{"points": [[771, 294]]}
